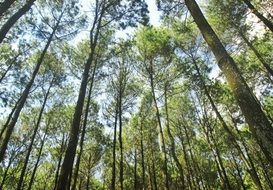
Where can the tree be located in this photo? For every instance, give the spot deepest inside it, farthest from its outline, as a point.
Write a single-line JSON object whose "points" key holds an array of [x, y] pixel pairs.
{"points": [[259, 124]]}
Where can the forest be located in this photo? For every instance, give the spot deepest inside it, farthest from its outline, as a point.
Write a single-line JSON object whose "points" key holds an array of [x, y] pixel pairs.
{"points": [[96, 95]]}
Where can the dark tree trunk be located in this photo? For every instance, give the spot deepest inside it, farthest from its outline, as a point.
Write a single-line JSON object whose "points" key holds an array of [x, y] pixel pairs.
{"points": [[10, 124], [231, 135], [120, 134], [23, 171], [38, 159], [237, 167], [267, 22], [11, 63], [259, 124], [142, 155], [6, 170], [113, 182], [75, 128], [59, 162], [14, 18], [151, 76], [4, 6], [135, 171], [258, 55], [77, 166]]}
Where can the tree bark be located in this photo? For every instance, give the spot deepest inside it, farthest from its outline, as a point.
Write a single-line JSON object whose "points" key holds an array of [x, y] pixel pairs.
{"points": [[266, 22], [10, 124], [77, 166], [231, 135], [14, 18], [259, 124], [142, 155], [258, 55], [38, 159], [151, 76], [75, 128], [59, 162], [23, 171], [113, 182], [4, 6]]}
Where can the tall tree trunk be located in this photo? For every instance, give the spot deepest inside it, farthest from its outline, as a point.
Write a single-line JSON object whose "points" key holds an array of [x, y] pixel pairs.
{"points": [[189, 172], [151, 75], [14, 18], [267, 22], [4, 6], [11, 63], [59, 161], [10, 124], [38, 159], [259, 124], [75, 128], [77, 166], [23, 171], [258, 55], [113, 182], [142, 155], [237, 167], [120, 134], [173, 148], [231, 135], [136, 186], [7, 169]]}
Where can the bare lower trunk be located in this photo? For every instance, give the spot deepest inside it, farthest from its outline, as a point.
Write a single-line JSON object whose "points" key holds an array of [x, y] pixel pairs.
{"points": [[259, 124], [266, 22], [14, 18]]}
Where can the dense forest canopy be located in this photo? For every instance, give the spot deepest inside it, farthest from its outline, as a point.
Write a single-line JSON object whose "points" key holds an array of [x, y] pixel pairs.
{"points": [[94, 96]]}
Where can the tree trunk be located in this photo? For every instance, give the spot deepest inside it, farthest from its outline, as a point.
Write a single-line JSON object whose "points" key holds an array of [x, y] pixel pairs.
{"points": [[151, 75], [113, 182], [120, 134], [14, 18], [231, 135], [11, 63], [173, 148], [135, 171], [23, 171], [59, 162], [38, 159], [11, 124], [142, 155], [259, 124], [267, 22], [75, 128], [4, 6], [6, 170], [258, 55], [77, 166]]}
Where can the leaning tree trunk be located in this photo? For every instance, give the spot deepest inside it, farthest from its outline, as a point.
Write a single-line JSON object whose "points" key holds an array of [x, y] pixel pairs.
{"points": [[75, 127], [63, 144], [113, 181], [151, 76], [10, 124], [173, 147], [231, 135], [38, 159], [259, 124], [4, 6], [77, 166], [267, 22], [23, 171], [14, 18], [143, 185]]}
